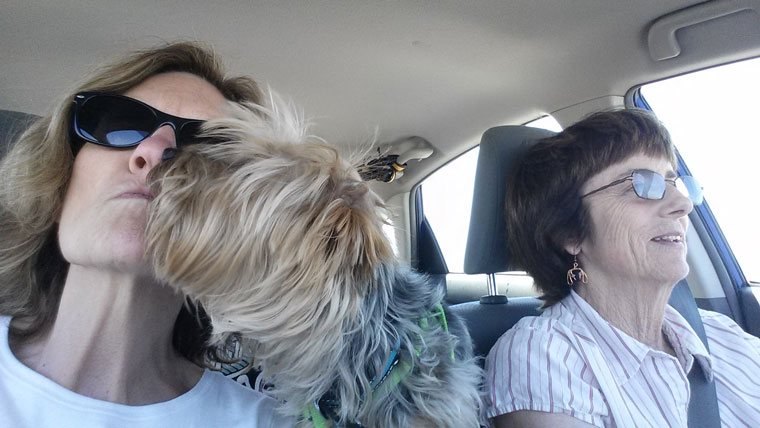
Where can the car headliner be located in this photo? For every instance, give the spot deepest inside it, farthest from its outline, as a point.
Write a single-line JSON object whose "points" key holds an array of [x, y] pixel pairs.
{"points": [[443, 70]]}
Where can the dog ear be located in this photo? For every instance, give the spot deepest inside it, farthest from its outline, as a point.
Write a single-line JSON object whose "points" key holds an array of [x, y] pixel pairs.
{"points": [[352, 229]]}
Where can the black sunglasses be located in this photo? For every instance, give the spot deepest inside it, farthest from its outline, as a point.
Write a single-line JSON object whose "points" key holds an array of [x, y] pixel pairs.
{"points": [[117, 121], [651, 185]]}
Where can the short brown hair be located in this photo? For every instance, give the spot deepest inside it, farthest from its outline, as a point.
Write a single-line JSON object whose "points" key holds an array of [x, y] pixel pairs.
{"points": [[35, 173], [544, 209]]}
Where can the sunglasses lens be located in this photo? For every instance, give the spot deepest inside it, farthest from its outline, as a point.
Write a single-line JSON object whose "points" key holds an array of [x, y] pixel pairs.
{"points": [[648, 184], [114, 121], [690, 187]]}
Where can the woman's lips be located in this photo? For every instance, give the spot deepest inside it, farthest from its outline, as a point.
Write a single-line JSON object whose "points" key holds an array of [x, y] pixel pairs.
{"points": [[136, 194], [673, 238]]}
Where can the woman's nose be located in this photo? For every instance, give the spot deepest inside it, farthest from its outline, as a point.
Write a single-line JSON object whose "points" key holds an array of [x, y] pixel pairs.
{"points": [[676, 203], [148, 153]]}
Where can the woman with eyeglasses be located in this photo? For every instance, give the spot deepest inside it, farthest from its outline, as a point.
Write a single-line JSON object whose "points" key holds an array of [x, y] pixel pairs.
{"points": [[598, 216], [87, 336]]}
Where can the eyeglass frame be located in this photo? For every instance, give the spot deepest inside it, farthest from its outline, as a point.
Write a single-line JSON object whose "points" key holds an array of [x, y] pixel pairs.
{"points": [[630, 177], [176, 122]]}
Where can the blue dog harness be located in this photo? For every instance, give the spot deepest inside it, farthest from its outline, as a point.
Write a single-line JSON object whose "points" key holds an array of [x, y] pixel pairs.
{"points": [[327, 406]]}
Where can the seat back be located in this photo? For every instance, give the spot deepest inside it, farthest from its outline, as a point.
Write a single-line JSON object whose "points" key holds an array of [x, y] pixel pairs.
{"points": [[487, 323], [500, 149], [486, 251], [12, 123]]}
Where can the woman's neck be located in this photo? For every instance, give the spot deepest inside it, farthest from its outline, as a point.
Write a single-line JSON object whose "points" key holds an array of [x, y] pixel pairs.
{"points": [[636, 309], [112, 340]]}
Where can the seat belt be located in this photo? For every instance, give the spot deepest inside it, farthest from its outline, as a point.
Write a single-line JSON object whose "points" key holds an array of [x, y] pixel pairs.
{"points": [[703, 405]]}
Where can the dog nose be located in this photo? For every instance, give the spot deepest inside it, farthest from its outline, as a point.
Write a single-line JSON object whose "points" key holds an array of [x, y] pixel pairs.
{"points": [[169, 153]]}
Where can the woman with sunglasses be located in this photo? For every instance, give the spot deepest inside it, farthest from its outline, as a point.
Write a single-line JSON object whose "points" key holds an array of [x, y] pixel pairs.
{"points": [[598, 216], [87, 336]]}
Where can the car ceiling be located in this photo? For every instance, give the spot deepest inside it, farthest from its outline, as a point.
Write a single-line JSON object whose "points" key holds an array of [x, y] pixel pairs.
{"points": [[443, 70]]}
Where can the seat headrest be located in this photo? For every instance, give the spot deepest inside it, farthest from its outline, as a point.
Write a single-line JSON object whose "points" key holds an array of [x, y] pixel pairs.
{"points": [[12, 123], [500, 150]]}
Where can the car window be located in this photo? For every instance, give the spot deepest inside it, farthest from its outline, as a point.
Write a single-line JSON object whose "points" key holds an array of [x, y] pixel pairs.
{"points": [[447, 199], [712, 117]]}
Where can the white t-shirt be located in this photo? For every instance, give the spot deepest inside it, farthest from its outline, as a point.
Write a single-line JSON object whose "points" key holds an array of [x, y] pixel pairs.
{"points": [[28, 399]]}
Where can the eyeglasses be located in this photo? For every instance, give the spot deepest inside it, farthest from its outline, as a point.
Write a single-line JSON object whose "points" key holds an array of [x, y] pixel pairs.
{"points": [[118, 121], [651, 185]]}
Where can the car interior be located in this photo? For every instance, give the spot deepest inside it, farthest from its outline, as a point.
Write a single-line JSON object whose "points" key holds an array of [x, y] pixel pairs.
{"points": [[443, 96]]}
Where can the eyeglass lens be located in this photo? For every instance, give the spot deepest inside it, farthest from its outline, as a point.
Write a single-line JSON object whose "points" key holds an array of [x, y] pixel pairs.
{"points": [[690, 187], [651, 185], [116, 121], [648, 184]]}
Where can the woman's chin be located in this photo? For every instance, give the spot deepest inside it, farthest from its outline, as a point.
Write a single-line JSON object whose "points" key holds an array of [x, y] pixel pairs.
{"points": [[670, 273], [123, 257]]}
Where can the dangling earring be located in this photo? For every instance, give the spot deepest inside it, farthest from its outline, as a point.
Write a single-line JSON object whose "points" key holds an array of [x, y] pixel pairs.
{"points": [[576, 273]]}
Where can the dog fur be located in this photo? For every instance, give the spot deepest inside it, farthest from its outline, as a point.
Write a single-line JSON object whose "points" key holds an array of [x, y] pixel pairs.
{"points": [[280, 240]]}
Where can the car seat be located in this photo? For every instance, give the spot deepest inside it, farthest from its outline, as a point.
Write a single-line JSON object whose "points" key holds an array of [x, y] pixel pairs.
{"points": [[12, 123]]}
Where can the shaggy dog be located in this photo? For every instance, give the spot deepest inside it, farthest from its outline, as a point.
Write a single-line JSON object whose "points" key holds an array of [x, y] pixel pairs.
{"points": [[280, 240]]}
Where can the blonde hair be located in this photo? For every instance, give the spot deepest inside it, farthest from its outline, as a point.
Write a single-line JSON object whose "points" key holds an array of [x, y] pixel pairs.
{"points": [[35, 172], [276, 234]]}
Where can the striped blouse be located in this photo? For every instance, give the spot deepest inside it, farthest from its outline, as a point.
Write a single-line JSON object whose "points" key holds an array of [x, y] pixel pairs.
{"points": [[570, 360]]}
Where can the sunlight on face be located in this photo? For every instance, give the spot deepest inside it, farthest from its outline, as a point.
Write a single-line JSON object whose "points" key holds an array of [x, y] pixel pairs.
{"points": [[631, 238]]}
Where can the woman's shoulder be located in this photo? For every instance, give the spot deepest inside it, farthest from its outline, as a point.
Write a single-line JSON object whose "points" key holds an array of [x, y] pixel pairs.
{"points": [[718, 319], [725, 335], [551, 333], [232, 393], [538, 365], [229, 399], [541, 325], [718, 325], [554, 321]]}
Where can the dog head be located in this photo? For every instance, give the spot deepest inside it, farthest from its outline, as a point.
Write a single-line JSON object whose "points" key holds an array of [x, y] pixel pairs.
{"points": [[269, 228]]}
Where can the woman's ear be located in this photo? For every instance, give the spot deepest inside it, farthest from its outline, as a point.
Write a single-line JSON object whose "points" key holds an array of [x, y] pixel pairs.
{"points": [[573, 248]]}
